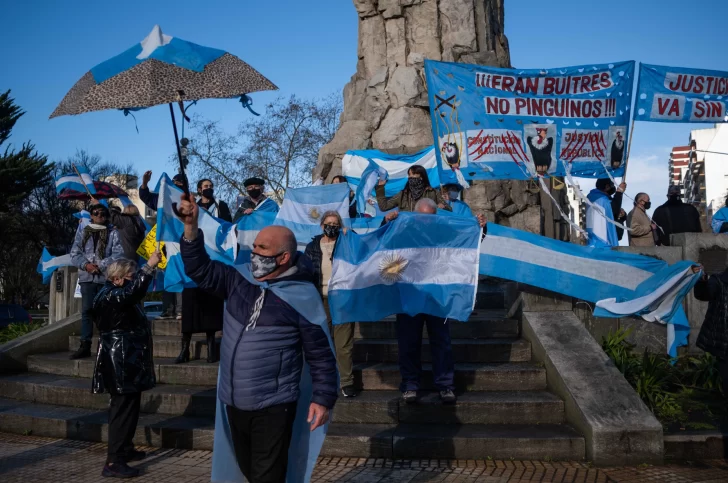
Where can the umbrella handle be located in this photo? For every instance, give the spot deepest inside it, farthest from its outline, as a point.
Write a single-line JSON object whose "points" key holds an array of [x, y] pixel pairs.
{"points": [[82, 182], [185, 187]]}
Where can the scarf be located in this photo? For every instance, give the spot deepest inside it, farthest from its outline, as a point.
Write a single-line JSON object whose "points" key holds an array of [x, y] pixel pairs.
{"points": [[100, 235]]}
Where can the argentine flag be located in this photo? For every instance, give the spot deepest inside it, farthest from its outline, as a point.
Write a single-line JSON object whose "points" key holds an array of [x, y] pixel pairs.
{"points": [[48, 264], [248, 228], [72, 181], [363, 168], [220, 241], [303, 209], [415, 264], [620, 284]]}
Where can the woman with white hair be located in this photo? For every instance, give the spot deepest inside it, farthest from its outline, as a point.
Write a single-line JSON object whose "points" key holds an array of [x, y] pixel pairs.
{"points": [[124, 365]]}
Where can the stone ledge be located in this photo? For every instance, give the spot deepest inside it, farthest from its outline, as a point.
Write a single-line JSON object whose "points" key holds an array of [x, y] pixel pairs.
{"points": [[619, 429], [696, 445], [51, 338]]}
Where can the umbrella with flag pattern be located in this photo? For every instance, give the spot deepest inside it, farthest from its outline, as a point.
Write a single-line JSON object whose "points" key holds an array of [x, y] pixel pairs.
{"points": [[162, 70]]}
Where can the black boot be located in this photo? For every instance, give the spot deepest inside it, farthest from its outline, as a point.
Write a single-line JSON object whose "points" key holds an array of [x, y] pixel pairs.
{"points": [[84, 350], [211, 349], [184, 355]]}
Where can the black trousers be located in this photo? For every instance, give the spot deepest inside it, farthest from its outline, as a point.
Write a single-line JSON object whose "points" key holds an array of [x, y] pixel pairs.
{"points": [[123, 419], [261, 439]]}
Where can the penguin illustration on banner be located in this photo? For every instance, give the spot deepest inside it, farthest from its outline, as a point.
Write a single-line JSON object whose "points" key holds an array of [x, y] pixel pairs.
{"points": [[540, 142], [617, 150]]}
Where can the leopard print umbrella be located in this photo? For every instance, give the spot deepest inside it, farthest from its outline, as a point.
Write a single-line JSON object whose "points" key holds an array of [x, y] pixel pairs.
{"points": [[151, 82]]}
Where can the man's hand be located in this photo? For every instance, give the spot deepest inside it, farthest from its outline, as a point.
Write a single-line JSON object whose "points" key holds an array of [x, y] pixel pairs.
{"points": [[482, 220], [654, 226], [92, 268], [188, 212], [392, 215], [146, 177], [317, 415], [622, 214], [622, 187], [154, 259], [94, 201], [382, 182], [248, 211]]}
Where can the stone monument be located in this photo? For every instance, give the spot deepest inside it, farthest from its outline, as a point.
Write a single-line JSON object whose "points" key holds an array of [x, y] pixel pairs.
{"points": [[385, 103]]}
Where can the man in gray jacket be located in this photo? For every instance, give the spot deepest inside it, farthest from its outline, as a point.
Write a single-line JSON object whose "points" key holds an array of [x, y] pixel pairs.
{"points": [[95, 247]]}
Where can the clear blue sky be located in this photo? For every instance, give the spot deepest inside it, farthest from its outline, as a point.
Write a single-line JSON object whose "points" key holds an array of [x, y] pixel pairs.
{"points": [[308, 48]]}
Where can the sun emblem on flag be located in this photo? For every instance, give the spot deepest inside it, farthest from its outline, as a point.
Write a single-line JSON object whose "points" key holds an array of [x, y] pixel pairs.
{"points": [[314, 214], [392, 267]]}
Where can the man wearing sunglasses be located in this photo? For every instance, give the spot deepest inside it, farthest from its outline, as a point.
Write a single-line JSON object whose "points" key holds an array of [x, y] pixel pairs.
{"points": [[94, 248]]}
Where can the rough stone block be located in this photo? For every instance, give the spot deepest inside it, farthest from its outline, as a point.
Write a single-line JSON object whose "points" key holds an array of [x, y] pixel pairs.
{"points": [[372, 44], [457, 22], [619, 429], [404, 86], [396, 42], [423, 35], [535, 299], [403, 128], [645, 335]]}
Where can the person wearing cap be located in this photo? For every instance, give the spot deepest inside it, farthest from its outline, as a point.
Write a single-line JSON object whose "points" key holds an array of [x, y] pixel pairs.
{"points": [[255, 200], [451, 193], [606, 205], [150, 198], [676, 217]]}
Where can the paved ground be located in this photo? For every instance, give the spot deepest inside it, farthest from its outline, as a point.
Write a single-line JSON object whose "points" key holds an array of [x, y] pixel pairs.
{"points": [[44, 460]]}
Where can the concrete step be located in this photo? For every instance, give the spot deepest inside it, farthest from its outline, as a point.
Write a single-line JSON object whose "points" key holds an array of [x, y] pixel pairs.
{"points": [[156, 430], [519, 376], [406, 441], [165, 346], [196, 372], [464, 350], [491, 407], [452, 441], [177, 400], [476, 328], [482, 324]]}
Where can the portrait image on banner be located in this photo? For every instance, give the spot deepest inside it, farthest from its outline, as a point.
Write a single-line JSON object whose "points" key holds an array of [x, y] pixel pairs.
{"points": [[679, 94], [495, 123]]}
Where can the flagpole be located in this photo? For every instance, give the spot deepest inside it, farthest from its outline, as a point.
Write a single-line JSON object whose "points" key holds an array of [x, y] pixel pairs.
{"points": [[186, 187], [629, 148], [88, 191]]}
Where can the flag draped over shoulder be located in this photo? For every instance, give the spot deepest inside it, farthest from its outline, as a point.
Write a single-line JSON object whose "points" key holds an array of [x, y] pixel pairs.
{"points": [[305, 444], [303, 209], [220, 241], [620, 284], [415, 264], [48, 264]]}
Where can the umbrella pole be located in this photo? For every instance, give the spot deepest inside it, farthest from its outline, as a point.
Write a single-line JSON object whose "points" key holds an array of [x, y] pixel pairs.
{"points": [[88, 191], [179, 151]]}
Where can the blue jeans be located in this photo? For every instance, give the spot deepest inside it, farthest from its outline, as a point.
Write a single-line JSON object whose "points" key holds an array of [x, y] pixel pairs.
{"points": [[409, 339], [88, 293]]}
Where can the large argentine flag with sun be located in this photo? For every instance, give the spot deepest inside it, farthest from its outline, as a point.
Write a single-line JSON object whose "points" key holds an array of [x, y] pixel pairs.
{"points": [[416, 264]]}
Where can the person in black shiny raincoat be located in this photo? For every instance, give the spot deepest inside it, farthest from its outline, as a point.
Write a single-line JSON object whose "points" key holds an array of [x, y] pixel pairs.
{"points": [[124, 365]]}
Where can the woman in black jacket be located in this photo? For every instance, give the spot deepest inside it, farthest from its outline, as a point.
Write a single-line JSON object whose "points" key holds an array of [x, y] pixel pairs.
{"points": [[321, 253], [124, 365]]}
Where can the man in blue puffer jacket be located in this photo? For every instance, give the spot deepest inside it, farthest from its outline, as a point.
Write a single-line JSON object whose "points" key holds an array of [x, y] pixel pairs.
{"points": [[263, 342]]}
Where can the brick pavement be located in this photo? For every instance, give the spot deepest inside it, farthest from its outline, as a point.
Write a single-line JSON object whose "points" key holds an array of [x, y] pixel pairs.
{"points": [[44, 460]]}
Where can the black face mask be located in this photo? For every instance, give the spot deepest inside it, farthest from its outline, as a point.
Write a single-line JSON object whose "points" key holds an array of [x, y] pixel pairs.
{"points": [[254, 193], [611, 190], [416, 187], [208, 193], [332, 231], [648, 205]]}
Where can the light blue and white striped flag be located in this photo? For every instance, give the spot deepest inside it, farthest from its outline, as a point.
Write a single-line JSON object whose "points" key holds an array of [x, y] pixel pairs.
{"points": [[303, 208], [620, 284], [248, 228], [220, 241], [415, 264], [48, 264], [359, 168], [72, 181]]}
